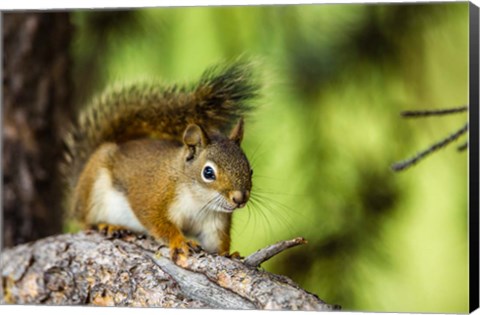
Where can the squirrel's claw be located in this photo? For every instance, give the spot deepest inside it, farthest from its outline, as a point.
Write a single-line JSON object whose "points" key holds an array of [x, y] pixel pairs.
{"points": [[112, 231], [194, 246], [180, 251], [234, 255]]}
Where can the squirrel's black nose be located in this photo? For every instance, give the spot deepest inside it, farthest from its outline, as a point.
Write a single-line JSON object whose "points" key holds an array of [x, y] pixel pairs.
{"points": [[239, 197]]}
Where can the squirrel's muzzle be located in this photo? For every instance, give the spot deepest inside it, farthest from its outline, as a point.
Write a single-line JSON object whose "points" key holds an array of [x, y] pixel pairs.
{"points": [[239, 198]]}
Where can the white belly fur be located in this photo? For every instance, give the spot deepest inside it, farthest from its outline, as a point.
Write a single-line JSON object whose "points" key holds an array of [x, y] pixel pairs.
{"points": [[109, 205], [203, 224]]}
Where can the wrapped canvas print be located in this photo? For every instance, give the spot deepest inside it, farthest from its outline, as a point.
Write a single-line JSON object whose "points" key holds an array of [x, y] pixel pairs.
{"points": [[282, 157]]}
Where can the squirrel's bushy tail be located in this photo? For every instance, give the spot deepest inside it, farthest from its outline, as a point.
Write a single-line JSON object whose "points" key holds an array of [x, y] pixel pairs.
{"points": [[216, 102]]}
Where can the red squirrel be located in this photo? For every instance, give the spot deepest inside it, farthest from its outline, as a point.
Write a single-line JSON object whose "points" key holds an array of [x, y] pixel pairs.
{"points": [[165, 161]]}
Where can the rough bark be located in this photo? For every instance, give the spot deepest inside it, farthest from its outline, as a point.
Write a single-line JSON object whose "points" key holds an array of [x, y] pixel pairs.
{"points": [[36, 93], [87, 268]]}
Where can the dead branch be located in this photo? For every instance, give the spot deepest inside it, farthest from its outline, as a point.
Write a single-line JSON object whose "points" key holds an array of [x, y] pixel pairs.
{"points": [[399, 166], [433, 112], [264, 254], [87, 268], [463, 146], [435, 147]]}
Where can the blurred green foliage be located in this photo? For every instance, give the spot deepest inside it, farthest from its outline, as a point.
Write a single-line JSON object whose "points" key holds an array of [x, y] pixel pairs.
{"points": [[324, 136]]}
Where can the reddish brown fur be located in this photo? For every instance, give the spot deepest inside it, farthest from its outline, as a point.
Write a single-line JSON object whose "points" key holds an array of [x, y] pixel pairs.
{"points": [[115, 134]]}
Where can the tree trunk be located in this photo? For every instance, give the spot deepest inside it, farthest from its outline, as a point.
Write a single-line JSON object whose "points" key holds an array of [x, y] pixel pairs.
{"points": [[87, 268], [36, 105]]}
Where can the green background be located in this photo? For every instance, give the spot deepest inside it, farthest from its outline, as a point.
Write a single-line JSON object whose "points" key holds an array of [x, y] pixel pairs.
{"points": [[327, 129]]}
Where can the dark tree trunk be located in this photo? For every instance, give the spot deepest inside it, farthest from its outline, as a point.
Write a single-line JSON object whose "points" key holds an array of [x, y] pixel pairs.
{"points": [[36, 107]]}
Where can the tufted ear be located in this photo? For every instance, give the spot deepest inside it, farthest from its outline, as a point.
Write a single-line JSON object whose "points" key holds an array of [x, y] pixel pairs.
{"points": [[237, 132], [195, 139]]}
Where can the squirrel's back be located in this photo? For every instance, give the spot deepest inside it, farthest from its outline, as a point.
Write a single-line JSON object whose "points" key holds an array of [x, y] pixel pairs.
{"points": [[215, 102]]}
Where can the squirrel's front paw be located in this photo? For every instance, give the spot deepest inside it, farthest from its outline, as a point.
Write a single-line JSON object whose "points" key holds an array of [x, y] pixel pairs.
{"points": [[112, 231], [180, 251], [194, 246], [234, 255]]}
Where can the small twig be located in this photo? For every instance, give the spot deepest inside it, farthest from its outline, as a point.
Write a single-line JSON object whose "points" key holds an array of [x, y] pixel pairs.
{"points": [[433, 112], [463, 147], [264, 254], [436, 146]]}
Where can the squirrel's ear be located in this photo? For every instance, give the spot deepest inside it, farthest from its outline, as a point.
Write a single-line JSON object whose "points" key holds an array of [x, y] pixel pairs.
{"points": [[194, 137], [237, 132]]}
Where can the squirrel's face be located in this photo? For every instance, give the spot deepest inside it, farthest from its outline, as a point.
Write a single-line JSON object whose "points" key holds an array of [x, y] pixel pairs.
{"points": [[219, 166]]}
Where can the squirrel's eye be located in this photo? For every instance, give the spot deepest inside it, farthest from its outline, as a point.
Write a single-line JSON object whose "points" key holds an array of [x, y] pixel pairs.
{"points": [[208, 174]]}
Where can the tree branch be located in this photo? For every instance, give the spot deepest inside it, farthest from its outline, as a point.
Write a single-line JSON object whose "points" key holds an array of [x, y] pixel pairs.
{"points": [[399, 166], [433, 112], [264, 254], [88, 268], [463, 146]]}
